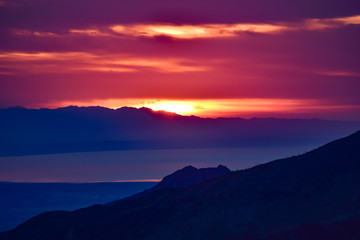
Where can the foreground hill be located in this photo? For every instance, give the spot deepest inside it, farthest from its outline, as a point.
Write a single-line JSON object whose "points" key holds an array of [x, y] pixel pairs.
{"points": [[190, 175], [182, 178], [311, 196], [81, 129]]}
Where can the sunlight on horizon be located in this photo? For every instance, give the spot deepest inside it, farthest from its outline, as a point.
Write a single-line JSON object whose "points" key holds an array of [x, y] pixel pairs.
{"points": [[213, 108], [179, 107], [228, 108]]}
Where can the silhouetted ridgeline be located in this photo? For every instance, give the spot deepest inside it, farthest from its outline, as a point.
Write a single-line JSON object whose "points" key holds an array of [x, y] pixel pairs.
{"points": [[182, 178], [312, 196], [190, 175], [79, 129]]}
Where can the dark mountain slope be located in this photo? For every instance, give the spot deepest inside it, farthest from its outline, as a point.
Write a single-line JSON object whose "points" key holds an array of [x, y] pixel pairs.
{"points": [[190, 175], [182, 178], [347, 229], [318, 188], [78, 129]]}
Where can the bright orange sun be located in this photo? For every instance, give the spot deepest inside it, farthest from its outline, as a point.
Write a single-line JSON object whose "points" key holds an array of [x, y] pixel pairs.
{"points": [[205, 107], [178, 107]]}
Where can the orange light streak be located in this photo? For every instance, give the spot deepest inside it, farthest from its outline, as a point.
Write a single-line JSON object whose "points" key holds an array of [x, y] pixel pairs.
{"points": [[200, 30], [213, 107], [82, 61]]}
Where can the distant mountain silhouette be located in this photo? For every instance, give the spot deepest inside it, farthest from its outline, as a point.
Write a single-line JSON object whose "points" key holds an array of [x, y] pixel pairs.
{"points": [[311, 196], [80, 129], [190, 175]]}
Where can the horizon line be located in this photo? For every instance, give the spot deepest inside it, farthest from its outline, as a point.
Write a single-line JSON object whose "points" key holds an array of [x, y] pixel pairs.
{"points": [[174, 113], [85, 182]]}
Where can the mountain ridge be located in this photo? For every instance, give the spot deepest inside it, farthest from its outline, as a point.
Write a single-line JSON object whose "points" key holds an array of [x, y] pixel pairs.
{"points": [[190, 175], [85, 129], [160, 112], [262, 201]]}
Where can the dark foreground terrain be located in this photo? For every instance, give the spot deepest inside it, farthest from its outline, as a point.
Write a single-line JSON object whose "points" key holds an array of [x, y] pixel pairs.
{"points": [[21, 201], [312, 196]]}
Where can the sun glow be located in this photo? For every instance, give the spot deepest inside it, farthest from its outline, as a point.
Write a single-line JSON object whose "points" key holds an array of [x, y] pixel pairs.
{"points": [[214, 108], [179, 107]]}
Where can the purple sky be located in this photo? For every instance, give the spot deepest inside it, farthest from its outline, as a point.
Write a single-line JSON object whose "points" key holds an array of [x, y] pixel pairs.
{"points": [[224, 58]]}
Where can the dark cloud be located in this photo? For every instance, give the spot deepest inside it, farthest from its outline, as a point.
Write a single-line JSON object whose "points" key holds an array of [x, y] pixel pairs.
{"points": [[59, 15]]}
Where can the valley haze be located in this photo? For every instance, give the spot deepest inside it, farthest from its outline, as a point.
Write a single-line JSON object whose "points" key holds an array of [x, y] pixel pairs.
{"points": [[86, 144], [311, 196]]}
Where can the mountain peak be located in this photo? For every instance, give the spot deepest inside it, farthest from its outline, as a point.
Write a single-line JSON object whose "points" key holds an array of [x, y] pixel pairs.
{"points": [[190, 175], [311, 196]]}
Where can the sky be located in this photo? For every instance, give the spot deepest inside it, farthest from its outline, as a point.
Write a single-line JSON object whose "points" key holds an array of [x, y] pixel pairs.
{"points": [[208, 58]]}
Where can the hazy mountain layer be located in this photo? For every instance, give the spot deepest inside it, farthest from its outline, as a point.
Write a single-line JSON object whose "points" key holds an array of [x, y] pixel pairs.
{"points": [[74, 129]]}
